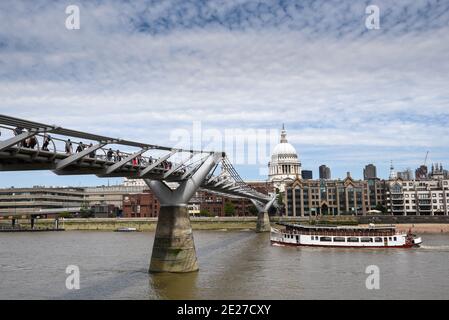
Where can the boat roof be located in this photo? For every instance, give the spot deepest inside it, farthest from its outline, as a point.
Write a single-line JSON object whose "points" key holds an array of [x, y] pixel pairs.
{"points": [[336, 227]]}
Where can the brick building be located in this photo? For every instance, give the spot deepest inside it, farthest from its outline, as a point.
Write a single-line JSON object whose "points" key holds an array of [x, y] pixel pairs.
{"points": [[140, 205]]}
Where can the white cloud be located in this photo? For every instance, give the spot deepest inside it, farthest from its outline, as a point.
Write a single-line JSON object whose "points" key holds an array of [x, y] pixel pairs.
{"points": [[317, 69]]}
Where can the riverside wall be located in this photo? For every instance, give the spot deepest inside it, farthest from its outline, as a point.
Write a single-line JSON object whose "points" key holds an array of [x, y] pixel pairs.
{"points": [[425, 223]]}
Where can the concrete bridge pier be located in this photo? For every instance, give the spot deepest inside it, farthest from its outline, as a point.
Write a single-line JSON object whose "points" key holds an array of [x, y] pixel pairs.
{"points": [[263, 219], [174, 246], [263, 222]]}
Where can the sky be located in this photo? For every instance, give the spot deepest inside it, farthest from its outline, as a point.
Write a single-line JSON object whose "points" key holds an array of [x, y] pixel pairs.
{"points": [[143, 70]]}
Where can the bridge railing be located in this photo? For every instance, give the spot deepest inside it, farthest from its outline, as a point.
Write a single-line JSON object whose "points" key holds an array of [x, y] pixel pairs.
{"points": [[25, 149], [57, 145]]}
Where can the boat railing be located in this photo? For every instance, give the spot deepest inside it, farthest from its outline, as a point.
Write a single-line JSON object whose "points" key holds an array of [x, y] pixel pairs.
{"points": [[342, 234]]}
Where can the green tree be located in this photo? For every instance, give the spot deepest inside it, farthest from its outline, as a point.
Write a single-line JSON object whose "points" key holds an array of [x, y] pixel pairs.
{"points": [[204, 213], [253, 210], [229, 209], [65, 215], [85, 211], [280, 199]]}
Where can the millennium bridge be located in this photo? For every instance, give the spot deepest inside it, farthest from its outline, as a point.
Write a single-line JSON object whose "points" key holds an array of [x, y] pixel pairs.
{"points": [[173, 175]]}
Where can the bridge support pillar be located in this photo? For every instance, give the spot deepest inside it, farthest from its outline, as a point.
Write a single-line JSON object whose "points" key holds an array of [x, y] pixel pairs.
{"points": [[174, 247], [263, 222], [263, 219]]}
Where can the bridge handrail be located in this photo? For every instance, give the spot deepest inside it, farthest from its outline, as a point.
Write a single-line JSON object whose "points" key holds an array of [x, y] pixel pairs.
{"points": [[54, 129], [38, 131], [144, 161]]}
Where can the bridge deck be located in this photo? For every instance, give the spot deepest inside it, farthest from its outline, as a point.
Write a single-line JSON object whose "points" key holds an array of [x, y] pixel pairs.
{"points": [[23, 150]]}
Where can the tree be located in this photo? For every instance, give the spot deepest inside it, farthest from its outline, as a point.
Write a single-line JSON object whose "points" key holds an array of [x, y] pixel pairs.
{"points": [[204, 213], [85, 211], [253, 210], [229, 209], [280, 199], [65, 215]]}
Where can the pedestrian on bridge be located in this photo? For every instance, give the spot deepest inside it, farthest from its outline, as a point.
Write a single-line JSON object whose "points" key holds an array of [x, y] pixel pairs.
{"points": [[18, 131], [68, 147], [80, 147], [118, 156], [93, 154], [47, 140], [32, 142], [110, 154]]}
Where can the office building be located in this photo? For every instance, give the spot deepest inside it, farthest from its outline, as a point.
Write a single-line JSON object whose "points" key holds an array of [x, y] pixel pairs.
{"points": [[370, 172], [307, 174], [325, 172]]}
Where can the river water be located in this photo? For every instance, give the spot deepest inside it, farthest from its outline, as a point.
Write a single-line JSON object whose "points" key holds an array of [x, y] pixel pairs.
{"points": [[233, 265]]}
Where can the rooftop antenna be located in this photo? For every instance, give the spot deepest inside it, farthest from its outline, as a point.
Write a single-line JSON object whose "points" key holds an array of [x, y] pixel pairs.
{"points": [[425, 159]]}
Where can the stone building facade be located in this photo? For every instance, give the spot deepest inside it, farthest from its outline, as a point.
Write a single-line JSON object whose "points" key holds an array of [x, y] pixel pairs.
{"points": [[418, 197], [333, 197]]}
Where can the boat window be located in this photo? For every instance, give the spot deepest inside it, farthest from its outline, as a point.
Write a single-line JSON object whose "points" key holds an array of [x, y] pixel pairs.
{"points": [[353, 239], [326, 239], [339, 239], [378, 239], [389, 238], [395, 238], [297, 238], [366, 240], [385, 239]]}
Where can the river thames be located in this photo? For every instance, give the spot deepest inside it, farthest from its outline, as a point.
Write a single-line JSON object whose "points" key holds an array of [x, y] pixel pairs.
{"points": [[233, 265]]}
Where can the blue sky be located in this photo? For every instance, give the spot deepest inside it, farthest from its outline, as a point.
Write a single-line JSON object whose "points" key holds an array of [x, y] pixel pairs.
{"points": [[140, 69]]}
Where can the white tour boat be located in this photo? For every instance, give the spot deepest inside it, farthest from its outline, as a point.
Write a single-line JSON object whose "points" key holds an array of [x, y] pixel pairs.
{"points": [[343, 236]]}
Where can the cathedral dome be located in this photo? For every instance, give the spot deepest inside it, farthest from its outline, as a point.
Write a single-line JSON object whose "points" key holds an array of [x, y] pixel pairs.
{"points": [[284, 150], [284, 166]]}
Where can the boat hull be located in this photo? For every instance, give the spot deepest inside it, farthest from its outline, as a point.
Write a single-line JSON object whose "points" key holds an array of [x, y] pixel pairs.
{"points": [[279, 243]]}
